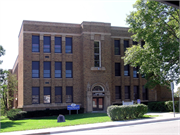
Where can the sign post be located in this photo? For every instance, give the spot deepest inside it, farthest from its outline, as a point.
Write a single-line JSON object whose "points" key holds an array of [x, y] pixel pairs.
{"points": [[172, 90], [73, 107]]}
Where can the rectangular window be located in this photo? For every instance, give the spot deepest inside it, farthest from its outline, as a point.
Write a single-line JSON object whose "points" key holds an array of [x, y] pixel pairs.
{"points": [[35, 95], [47, 69], [117, 47], [47, 95], [126, 70], [135, 43], [69, 94], [47, 44], [35, 43], [127, 92], [97, 54], [57, 45], [69, 71], [145, 93], [118, 92], [136, 92], [35, 69], [135, 70], [117, 69], [58, 69], [58, 94], [68, 45], [142, 44], [126, 44]]}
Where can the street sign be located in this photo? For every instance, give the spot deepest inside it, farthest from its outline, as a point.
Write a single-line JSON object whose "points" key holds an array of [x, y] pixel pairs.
{"points": [[138, 101], [73, 107]]}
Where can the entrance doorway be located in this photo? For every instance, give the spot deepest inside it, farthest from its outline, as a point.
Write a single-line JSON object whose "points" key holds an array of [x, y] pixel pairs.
{"points": [[98, 103]]}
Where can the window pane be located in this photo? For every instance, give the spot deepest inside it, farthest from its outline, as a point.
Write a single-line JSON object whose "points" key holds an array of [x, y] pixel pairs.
{"points": [[35, 43], [118, 92], [35, 69], [117, 47], [47, 69], [117, 69], [135, 43], [127, 92], [69, 70], [126, 44], [47, 44], [136, 92], [68, 45], [69, 94], [126, 70], [58, 94], [35, 95], [46, 99], [96, 63]]}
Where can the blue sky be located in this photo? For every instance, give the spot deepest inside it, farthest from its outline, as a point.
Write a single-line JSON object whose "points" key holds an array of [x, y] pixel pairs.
{"points": [[13, 12]]}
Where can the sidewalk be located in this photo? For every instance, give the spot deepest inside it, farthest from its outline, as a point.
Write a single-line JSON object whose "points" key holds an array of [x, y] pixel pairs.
{"points": [[162, 117]]}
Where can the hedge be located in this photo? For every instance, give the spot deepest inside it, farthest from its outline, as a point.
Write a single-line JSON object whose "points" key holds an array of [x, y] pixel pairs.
{"points": [[16, 114], [126, 112], [157, 106], [169, 105]]}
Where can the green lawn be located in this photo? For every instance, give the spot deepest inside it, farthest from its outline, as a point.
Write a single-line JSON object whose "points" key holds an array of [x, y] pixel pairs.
{"points": [[47, 122]]}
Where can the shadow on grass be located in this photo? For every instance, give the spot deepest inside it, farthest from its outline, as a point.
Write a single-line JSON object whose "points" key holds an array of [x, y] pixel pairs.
{"points": [[8, 124]]}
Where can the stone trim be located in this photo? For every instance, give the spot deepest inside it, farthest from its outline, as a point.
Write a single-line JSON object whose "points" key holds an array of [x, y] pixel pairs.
{"points": [[98, 68], [51, 33], [121, 37], [98, 33], [119, 28], [97, 24]]}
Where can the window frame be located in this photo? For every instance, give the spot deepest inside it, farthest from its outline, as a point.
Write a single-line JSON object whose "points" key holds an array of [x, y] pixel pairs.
{"points": [[44, 44], [126, 46], [70, 70], [95, 54], [56, 87], [135, 69], [118, 70], [56, 62], [36, 44], [127, 70], [125, 92], [34, 69], [136, 92], [144, 93], [44, 69], [44, 95], [118, 92], [69, 94], [69, 45], [55, 38], [36, 94], [119, 49]]}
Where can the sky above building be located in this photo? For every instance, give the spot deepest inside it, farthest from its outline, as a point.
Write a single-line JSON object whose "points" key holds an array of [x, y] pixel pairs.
{"points": [[13, 12]]}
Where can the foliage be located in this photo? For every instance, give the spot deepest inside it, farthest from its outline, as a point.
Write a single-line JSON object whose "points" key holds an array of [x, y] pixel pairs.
{"points": [[158, 25], [2, 52], [169, 105], [157, 106], [15, 114], [126, 112], [177, 93], [8, 87]]}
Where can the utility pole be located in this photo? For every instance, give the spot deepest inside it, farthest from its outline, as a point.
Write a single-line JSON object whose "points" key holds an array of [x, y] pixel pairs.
{"points": [[172, 90]]}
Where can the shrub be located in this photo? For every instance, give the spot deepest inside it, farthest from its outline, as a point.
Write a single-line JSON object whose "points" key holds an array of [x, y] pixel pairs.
{"points": [[16, 114], [126, 112], [158, 106], [169, 105]]}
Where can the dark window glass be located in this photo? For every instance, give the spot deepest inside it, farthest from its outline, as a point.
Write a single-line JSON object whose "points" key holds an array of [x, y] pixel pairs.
{"points": [[68, 45], [136, 92], [126, 70], [126, 44], [58, 70], [47, 44], [118, 92], [47, 69], [69, 94], [35, 43], [143, 76], [35, 95], [47, 95], [117, 69], [57, 46], [69, 72], [96, 54], [127, 92], [58, 94], [35, 69], [145, 93], [135, 70], [142, 44], [117, 47], [135, 43]]}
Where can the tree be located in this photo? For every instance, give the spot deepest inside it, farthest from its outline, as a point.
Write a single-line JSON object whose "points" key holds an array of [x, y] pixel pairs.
{"points": [[2, 52], [158, 25], [177, 93]]}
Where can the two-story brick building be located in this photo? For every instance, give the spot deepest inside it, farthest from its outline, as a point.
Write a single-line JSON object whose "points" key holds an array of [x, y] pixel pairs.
{"points": [[61, 63]]}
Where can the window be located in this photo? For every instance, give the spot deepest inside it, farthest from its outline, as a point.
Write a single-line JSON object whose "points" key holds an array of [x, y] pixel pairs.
{"points": [[145, 93], [142, 44], [68, 45], [35, 43], [69, 94], [118, 92], [47, 44], [47, 95], [126, 44], [117, 69], [58, 94], [69, 73], [117, 47], [126, 70], [127, 92], [35, 95], [57, 46], [47, 69], [97, 62], [136, 92], [143, 76], [135, 74], [35, 69], [58, 69], [97, 88], [135, 43]]}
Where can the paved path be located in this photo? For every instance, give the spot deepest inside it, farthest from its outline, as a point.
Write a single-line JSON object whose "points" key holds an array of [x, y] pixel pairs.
{"points": [[162, 117]]}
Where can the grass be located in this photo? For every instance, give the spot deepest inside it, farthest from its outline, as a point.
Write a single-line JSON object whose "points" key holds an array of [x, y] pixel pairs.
{"points": [[51, 121]]}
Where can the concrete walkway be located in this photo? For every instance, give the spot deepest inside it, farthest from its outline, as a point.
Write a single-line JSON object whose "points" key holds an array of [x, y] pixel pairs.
{"points": [[162, 117]]}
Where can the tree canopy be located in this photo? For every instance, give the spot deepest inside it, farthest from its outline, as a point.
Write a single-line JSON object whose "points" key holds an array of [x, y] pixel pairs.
{"points": [[158, 25]]}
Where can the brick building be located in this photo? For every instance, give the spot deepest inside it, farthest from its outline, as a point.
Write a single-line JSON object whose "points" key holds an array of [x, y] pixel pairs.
{"points": [[61, 63]]}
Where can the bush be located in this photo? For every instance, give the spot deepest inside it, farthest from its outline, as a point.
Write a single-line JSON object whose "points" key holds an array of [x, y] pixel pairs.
{"points": [[169, 105], [126, 112], [16, 114], [158, 106]]}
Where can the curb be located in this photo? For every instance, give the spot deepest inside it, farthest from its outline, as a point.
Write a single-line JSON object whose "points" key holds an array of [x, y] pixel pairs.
{"points": [[108, 126]]}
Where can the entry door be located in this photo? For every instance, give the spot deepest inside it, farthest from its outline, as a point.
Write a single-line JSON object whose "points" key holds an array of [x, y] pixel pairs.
{"points": [[98, 103]]}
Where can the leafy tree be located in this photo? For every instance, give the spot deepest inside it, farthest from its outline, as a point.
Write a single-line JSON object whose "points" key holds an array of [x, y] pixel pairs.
{"points": [[158, 25], [177, 93]]}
